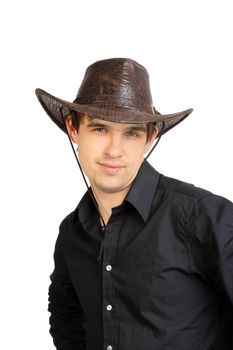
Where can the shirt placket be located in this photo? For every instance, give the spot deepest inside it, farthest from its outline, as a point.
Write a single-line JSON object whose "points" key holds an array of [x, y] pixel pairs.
{"points": [[109, 298]]}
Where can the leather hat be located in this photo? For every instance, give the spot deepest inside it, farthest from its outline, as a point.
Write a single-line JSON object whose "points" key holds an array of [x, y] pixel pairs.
{"points": [[116, 90]]}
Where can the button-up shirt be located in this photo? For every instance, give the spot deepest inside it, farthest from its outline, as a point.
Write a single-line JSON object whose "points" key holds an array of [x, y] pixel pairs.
{"points": [[159, 278]]}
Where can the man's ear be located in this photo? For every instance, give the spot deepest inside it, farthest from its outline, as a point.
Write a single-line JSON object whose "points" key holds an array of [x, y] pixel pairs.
{"points": [[151, 141], [71, 129]]}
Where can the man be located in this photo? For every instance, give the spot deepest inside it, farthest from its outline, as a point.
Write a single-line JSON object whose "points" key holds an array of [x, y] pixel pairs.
{"points": [[145, 261]]}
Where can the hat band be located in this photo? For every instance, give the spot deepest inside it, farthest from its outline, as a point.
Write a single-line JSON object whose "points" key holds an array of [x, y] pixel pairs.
{"points": [[116, 103]]}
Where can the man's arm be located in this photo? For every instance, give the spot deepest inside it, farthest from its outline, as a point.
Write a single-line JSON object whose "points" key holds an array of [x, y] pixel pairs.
{"points": [[66, 320]]}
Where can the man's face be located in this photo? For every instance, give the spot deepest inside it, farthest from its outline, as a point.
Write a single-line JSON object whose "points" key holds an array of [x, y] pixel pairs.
{"points": [[110, 154]]}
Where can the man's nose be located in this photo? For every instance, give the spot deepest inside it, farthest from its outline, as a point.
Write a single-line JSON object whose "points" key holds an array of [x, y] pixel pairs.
{"points": [[114, 146]]}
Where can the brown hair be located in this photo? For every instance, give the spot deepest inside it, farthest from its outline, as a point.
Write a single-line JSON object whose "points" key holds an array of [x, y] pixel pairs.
{"points": [[76, 117]]}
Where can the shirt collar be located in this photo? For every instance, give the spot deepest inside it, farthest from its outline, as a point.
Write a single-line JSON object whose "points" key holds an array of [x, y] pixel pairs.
{"points": [[143, 189]]}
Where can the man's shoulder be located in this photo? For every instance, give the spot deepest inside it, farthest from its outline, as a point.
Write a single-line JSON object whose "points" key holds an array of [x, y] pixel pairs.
{"points": [[182, 189], [69, 220], [193, 200]]}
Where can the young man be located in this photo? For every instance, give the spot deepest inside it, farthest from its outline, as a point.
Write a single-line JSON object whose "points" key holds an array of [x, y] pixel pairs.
{"points": [[145, 261]]}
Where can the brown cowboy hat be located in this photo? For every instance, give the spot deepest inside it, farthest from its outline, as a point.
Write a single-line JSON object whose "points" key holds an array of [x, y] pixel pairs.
{"points": [[116, 90]]}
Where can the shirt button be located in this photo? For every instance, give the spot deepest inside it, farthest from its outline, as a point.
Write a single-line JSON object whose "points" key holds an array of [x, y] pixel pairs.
{"points": [[108, 267], [109, 307], [109, 347]]}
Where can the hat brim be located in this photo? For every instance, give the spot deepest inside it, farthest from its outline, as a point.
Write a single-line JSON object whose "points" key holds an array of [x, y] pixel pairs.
{"points": [[54, 106]]}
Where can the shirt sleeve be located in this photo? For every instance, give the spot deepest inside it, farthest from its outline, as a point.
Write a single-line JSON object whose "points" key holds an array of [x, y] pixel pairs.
{"points": [[212, 240], [66, 320], [212, 247]]}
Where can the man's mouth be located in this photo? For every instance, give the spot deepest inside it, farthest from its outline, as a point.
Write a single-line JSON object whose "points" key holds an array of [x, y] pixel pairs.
{"points": [[110, 167]]}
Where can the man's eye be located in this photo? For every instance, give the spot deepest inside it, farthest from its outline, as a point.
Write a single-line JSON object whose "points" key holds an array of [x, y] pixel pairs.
{"points": [[132, 133], [100, 130]]}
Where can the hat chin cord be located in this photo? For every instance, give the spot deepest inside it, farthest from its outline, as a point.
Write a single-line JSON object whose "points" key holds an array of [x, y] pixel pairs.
{"points": [[102, 223]]}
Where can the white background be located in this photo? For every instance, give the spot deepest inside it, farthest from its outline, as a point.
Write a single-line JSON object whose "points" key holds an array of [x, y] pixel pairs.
{"points": [[186, 47]]}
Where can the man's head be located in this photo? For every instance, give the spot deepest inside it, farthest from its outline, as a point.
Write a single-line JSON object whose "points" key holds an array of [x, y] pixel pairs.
{"points": [[112, 120]]}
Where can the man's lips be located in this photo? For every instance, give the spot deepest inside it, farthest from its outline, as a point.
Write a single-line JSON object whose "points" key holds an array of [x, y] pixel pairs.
{"points": [[111, 168], [109, 165]]}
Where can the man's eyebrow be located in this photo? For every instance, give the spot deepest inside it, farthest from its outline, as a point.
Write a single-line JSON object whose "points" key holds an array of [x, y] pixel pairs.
{"points": [[137, 127], [94, 124]]}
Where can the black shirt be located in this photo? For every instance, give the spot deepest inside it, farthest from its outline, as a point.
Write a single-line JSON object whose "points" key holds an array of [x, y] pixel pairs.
{"points": [[163, 280]]}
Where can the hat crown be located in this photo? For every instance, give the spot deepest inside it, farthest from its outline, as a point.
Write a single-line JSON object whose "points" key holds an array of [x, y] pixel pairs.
{"points": [[116, 82]]}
